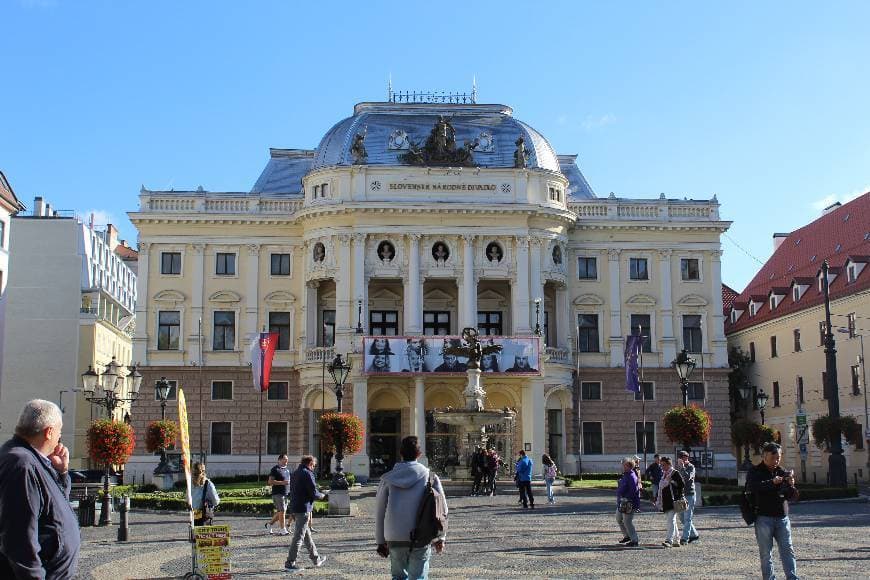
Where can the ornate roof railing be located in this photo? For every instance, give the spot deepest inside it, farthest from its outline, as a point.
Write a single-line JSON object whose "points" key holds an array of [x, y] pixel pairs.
{"points": [[614, 208]]}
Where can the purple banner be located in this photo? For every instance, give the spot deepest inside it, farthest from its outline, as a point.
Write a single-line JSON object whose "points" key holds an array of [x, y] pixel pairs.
{"points": [[633, 344]]}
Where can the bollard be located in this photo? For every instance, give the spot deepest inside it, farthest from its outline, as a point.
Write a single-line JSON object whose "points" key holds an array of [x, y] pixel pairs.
{"points": [[124, 528]]}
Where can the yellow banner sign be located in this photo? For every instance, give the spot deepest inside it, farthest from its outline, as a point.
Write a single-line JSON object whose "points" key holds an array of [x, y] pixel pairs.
{"points": [[185, 443]]}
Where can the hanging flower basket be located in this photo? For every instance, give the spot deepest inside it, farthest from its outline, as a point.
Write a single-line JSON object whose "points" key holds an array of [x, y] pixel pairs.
{"points": [[689, 426], [160, 435], [110, 442], [825, 428], [348, 426], [746, 432]]}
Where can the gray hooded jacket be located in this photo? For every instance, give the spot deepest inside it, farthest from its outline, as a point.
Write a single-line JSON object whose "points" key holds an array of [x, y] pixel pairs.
{"points": [[398, 500]]}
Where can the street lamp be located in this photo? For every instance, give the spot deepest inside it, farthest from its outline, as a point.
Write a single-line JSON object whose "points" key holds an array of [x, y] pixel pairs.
{"points": [[537, 317], [359, 326], [161, 389], [761, 400], [339, 371], [836, 461], [684, 365], [110, 396], [745, 394]]}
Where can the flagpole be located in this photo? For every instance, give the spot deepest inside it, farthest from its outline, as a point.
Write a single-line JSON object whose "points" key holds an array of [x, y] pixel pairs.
{"points": [[579, 405], [642, 394], [202, 453]]}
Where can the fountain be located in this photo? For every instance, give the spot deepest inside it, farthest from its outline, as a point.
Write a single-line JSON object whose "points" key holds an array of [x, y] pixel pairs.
{"points": [[473, 419]]}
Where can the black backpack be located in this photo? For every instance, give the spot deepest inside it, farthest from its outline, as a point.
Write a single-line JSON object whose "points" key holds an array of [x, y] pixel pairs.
{"points": [[748, 507], [431, 517]]}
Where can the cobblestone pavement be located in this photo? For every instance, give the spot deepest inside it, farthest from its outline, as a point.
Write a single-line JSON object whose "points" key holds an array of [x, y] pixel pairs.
{"points": [[496, 538]]}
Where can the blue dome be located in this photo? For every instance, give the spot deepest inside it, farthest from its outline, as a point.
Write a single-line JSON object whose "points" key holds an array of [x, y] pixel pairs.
{"points": [[415, 120]]}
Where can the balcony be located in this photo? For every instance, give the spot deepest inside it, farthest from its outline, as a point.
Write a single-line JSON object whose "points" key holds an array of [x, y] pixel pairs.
{"points": [[319, 354]]}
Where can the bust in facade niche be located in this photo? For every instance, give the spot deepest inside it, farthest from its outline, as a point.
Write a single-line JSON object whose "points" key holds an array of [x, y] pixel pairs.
{"points": [[557, 255], [386, 252], [440, 252], [319, 252], [494, 253]]}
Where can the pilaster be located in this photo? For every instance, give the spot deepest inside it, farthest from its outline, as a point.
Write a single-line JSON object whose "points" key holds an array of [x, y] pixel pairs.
{"points": [[616, 339]]}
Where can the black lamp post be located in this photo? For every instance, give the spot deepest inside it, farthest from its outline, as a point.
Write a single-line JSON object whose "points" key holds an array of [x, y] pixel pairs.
{"points": [[161, 389], [684, 365], [359, 326], [537, 317], [746, 395], [761, 400], [836, 461], [110, 397], [339, 370]]}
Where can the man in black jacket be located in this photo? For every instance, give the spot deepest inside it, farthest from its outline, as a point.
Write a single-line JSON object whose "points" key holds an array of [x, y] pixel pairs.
{"points": [[39, 534], [772, 488], [303, 492]]}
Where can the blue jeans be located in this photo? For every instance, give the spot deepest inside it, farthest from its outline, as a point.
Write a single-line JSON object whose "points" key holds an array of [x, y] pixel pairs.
{"points": [[689, 530], [550, 489], [767, 529], [408, 563]]}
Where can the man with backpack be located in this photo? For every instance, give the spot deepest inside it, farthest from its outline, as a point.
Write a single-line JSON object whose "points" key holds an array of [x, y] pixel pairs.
{"points": [[411, 515]]}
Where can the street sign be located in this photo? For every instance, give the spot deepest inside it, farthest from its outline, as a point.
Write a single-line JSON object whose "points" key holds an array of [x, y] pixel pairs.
{"points": [[703, 457], [801, 418], [803, 435], [804, 450]]}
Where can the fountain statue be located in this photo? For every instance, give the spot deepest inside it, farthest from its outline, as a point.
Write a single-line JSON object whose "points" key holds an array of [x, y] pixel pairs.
{"points": [[472, 420]]}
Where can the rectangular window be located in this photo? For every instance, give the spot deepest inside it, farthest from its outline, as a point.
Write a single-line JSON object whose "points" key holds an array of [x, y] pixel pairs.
{"points": [[773, 347], [384, 323], [648, 393], [278, 391], [280, 264], [800, 389], [436, 323], [276, 438], [221, 438], [696, 392], [587, 268], [221, 390], [689, 269], [640, 325], [225, 264], [751, 352], [173, 388], [851, 324], [280, 322], [170, 263], [593, 442], [224, 330], [797, 340], [650, 433], [327, 337], [776, 393], [168, 329], [587, 332], [637, 269], [590, 391], [489, 323], [856, 383], [692, 332]]}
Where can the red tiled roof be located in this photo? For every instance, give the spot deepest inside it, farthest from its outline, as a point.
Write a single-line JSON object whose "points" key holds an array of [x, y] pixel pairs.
{"points": [[834, 236], [728, 296], [8, 196], [126, 253]]}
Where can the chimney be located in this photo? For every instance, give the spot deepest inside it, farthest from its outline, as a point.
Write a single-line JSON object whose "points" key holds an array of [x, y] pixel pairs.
{"points": [[111, 237], [38, 206], [47, 212], [833, 207], [778, 239]]}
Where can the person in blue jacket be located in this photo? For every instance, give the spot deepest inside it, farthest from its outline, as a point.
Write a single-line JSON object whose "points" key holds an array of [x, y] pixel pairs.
{"points": [[524, 479], [627, 493], [303, 492]]}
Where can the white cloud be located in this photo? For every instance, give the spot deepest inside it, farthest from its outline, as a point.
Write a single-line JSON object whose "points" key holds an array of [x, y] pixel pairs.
{"points": [[101, 217], [596, 122], [824, 202]]}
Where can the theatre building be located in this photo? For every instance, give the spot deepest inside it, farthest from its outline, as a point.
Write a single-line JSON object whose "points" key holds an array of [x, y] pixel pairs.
{"points": [[414, 220]]}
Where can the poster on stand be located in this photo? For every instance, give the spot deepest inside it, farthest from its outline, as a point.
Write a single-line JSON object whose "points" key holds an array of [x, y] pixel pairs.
{"points": [[424, 354]]}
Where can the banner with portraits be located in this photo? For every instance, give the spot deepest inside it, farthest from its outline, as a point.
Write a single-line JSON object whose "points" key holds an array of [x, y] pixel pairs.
{"points": [[424, 354]]}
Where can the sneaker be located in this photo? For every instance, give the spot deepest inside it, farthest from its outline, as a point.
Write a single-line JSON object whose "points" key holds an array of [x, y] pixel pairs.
{"points": [[683, 542], [283, 532], [631, 545], [269, 529], [694, 538], [675, 544], [319, 562], [667, 544], [293, 567], [625, 540]]}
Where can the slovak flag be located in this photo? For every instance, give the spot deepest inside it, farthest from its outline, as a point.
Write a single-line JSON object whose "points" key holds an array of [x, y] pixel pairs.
{"points": [[262, 353], [633, 344]]}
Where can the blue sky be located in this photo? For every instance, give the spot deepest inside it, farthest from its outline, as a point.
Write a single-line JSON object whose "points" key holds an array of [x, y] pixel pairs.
{"points": [[762, 103]]}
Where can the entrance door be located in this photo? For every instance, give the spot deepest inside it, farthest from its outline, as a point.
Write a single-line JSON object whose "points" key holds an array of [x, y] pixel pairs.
{"points": [[554, 435], [384, 435]]}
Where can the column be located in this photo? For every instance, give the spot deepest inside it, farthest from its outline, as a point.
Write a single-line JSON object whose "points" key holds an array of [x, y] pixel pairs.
{"points": [[668, 341], [468, 316], [562, 317], [533, 418], [360, 290], [420, 414], [342, 290], [197, 274], [536, 285], [616, 345], [358, 463], [252, 282], [520, 288], [140, 339], [413, 298], [309, 311], [717, 328]]}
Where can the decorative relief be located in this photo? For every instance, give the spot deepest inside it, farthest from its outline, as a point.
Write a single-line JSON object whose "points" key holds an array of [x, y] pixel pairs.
{"points": [[318, 253], [613, 254], [440, 252], [485, 142], [494, 252], [398, 140], [253, 249], [197, 249], [505, 187], [440, 148], [358, 148], [143, 247], [375, 185], [386, 251], [557, 255], [665, 254], [521, 155]]}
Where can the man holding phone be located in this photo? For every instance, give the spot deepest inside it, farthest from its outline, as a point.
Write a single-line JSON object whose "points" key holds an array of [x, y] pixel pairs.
{"points": [[773, 488]]}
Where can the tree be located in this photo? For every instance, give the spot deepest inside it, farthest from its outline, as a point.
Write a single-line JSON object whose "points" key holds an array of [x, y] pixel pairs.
{"points": [[110, 442], [689, 426], [825, 428], [348, 426]]}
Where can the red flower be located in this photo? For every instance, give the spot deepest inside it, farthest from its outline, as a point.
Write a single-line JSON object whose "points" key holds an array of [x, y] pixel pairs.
{"points": [[688, 425], [110, 442], [160, 435], [348, 426]]}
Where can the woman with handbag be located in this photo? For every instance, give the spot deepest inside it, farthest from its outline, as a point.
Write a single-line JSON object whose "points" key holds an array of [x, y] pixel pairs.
{"points": [[203, 495], [671, 500], [549, 472], [627, 502]]}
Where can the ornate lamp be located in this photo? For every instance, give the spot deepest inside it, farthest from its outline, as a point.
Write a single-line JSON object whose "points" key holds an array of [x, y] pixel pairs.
{"points": [[339, 371], [761, 400], [684, 365]]}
